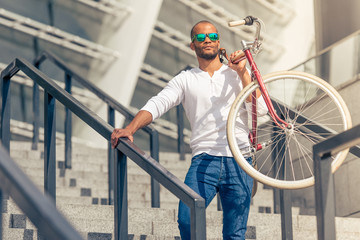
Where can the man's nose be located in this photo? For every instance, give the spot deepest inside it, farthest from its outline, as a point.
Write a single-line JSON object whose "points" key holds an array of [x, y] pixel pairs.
{"points": [[207, 39]]}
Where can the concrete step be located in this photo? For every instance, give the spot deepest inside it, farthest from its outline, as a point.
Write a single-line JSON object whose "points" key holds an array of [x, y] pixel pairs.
{"points": [[85, 166], [67, 186], [160, 222], [106, 212], [82, 153], [35, 160], [94, 179], [19, 233], [139, 195], [32, 234]]}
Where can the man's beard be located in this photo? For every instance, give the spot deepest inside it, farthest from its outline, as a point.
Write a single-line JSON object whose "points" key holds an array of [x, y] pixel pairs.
{"points": [[208, 56]]}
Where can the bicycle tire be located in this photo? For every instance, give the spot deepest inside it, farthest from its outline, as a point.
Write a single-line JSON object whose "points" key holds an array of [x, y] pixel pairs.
{"points": [[313, 100]]}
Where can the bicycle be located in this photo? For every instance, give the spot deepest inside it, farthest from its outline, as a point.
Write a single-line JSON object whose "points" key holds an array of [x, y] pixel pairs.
{"points": [[282, 140]]}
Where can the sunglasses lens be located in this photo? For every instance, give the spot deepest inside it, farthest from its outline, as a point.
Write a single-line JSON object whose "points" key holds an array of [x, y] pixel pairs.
{"points": [[200, 37], [213, 36]]}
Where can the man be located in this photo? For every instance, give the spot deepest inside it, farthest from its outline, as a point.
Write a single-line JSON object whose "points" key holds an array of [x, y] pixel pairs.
{"points": [[207, 93]]}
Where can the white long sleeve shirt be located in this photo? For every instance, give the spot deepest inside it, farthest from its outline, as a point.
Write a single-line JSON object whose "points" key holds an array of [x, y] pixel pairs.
{"points": [[207, 102]]}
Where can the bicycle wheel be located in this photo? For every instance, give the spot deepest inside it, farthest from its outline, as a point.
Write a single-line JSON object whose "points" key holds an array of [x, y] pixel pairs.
{"points": [[314, 111]]}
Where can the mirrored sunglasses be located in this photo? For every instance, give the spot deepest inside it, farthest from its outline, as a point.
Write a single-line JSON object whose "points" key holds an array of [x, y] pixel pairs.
{"points": [[202, 36]]}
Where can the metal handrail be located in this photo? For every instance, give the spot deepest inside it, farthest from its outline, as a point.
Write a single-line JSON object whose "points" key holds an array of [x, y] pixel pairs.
{"points": [[324, 180], [125, 148], [113, 106], [38, 208]]}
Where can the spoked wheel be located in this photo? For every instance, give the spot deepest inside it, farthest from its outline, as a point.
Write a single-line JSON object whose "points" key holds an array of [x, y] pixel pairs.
{"points": [[313, 110]]}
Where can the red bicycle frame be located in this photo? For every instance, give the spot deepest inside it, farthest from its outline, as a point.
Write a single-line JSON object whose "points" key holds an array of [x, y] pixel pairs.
{"points": [[255, 75]]}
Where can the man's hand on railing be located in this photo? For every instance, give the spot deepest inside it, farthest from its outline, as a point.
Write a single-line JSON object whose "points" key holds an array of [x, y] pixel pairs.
{"points": [[118, 133], [141, 119]]}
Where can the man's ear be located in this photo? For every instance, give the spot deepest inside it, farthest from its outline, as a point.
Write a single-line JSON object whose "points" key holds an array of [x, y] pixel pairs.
{"points": [[192, 46]]}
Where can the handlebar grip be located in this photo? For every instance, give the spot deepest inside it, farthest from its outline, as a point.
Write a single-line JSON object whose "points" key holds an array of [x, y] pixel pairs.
{"points": [[249, 20], [236, 23]]}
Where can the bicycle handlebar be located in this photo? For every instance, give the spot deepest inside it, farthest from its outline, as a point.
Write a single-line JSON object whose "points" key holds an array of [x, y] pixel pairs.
{"points": [[249, 20]]}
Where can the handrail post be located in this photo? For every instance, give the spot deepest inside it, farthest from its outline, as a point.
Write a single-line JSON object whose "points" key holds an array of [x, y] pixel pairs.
{"points": [[111, 160], [324, 197], [155, 186], [286, 214], [180, 123], [284, 195], [49, 145], [285, 198], [68, 125], [198, 220], [36, 117], [36, 112], [121, 196], [5, 113], [274, 150]]}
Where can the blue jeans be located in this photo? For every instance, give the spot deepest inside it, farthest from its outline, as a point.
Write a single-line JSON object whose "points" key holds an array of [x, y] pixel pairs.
{"points": [[208, 175]]}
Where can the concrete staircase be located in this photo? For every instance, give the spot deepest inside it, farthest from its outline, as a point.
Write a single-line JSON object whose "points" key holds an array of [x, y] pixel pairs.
{"points": [[82, 198]]}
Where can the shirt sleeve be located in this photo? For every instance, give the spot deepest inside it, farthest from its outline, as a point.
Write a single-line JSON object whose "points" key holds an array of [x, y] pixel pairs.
{"points": [[261, 108], [167, 98]]}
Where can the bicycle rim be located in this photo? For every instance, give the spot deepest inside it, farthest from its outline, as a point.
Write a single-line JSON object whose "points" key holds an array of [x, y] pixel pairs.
{"points": [[314, 111]]}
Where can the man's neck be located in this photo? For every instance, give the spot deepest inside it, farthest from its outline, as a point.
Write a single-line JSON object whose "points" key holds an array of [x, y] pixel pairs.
{"points": [[210, 66]]}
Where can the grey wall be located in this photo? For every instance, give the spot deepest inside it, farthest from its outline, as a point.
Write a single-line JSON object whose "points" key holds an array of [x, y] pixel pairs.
{"points": [[335, 20]]}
